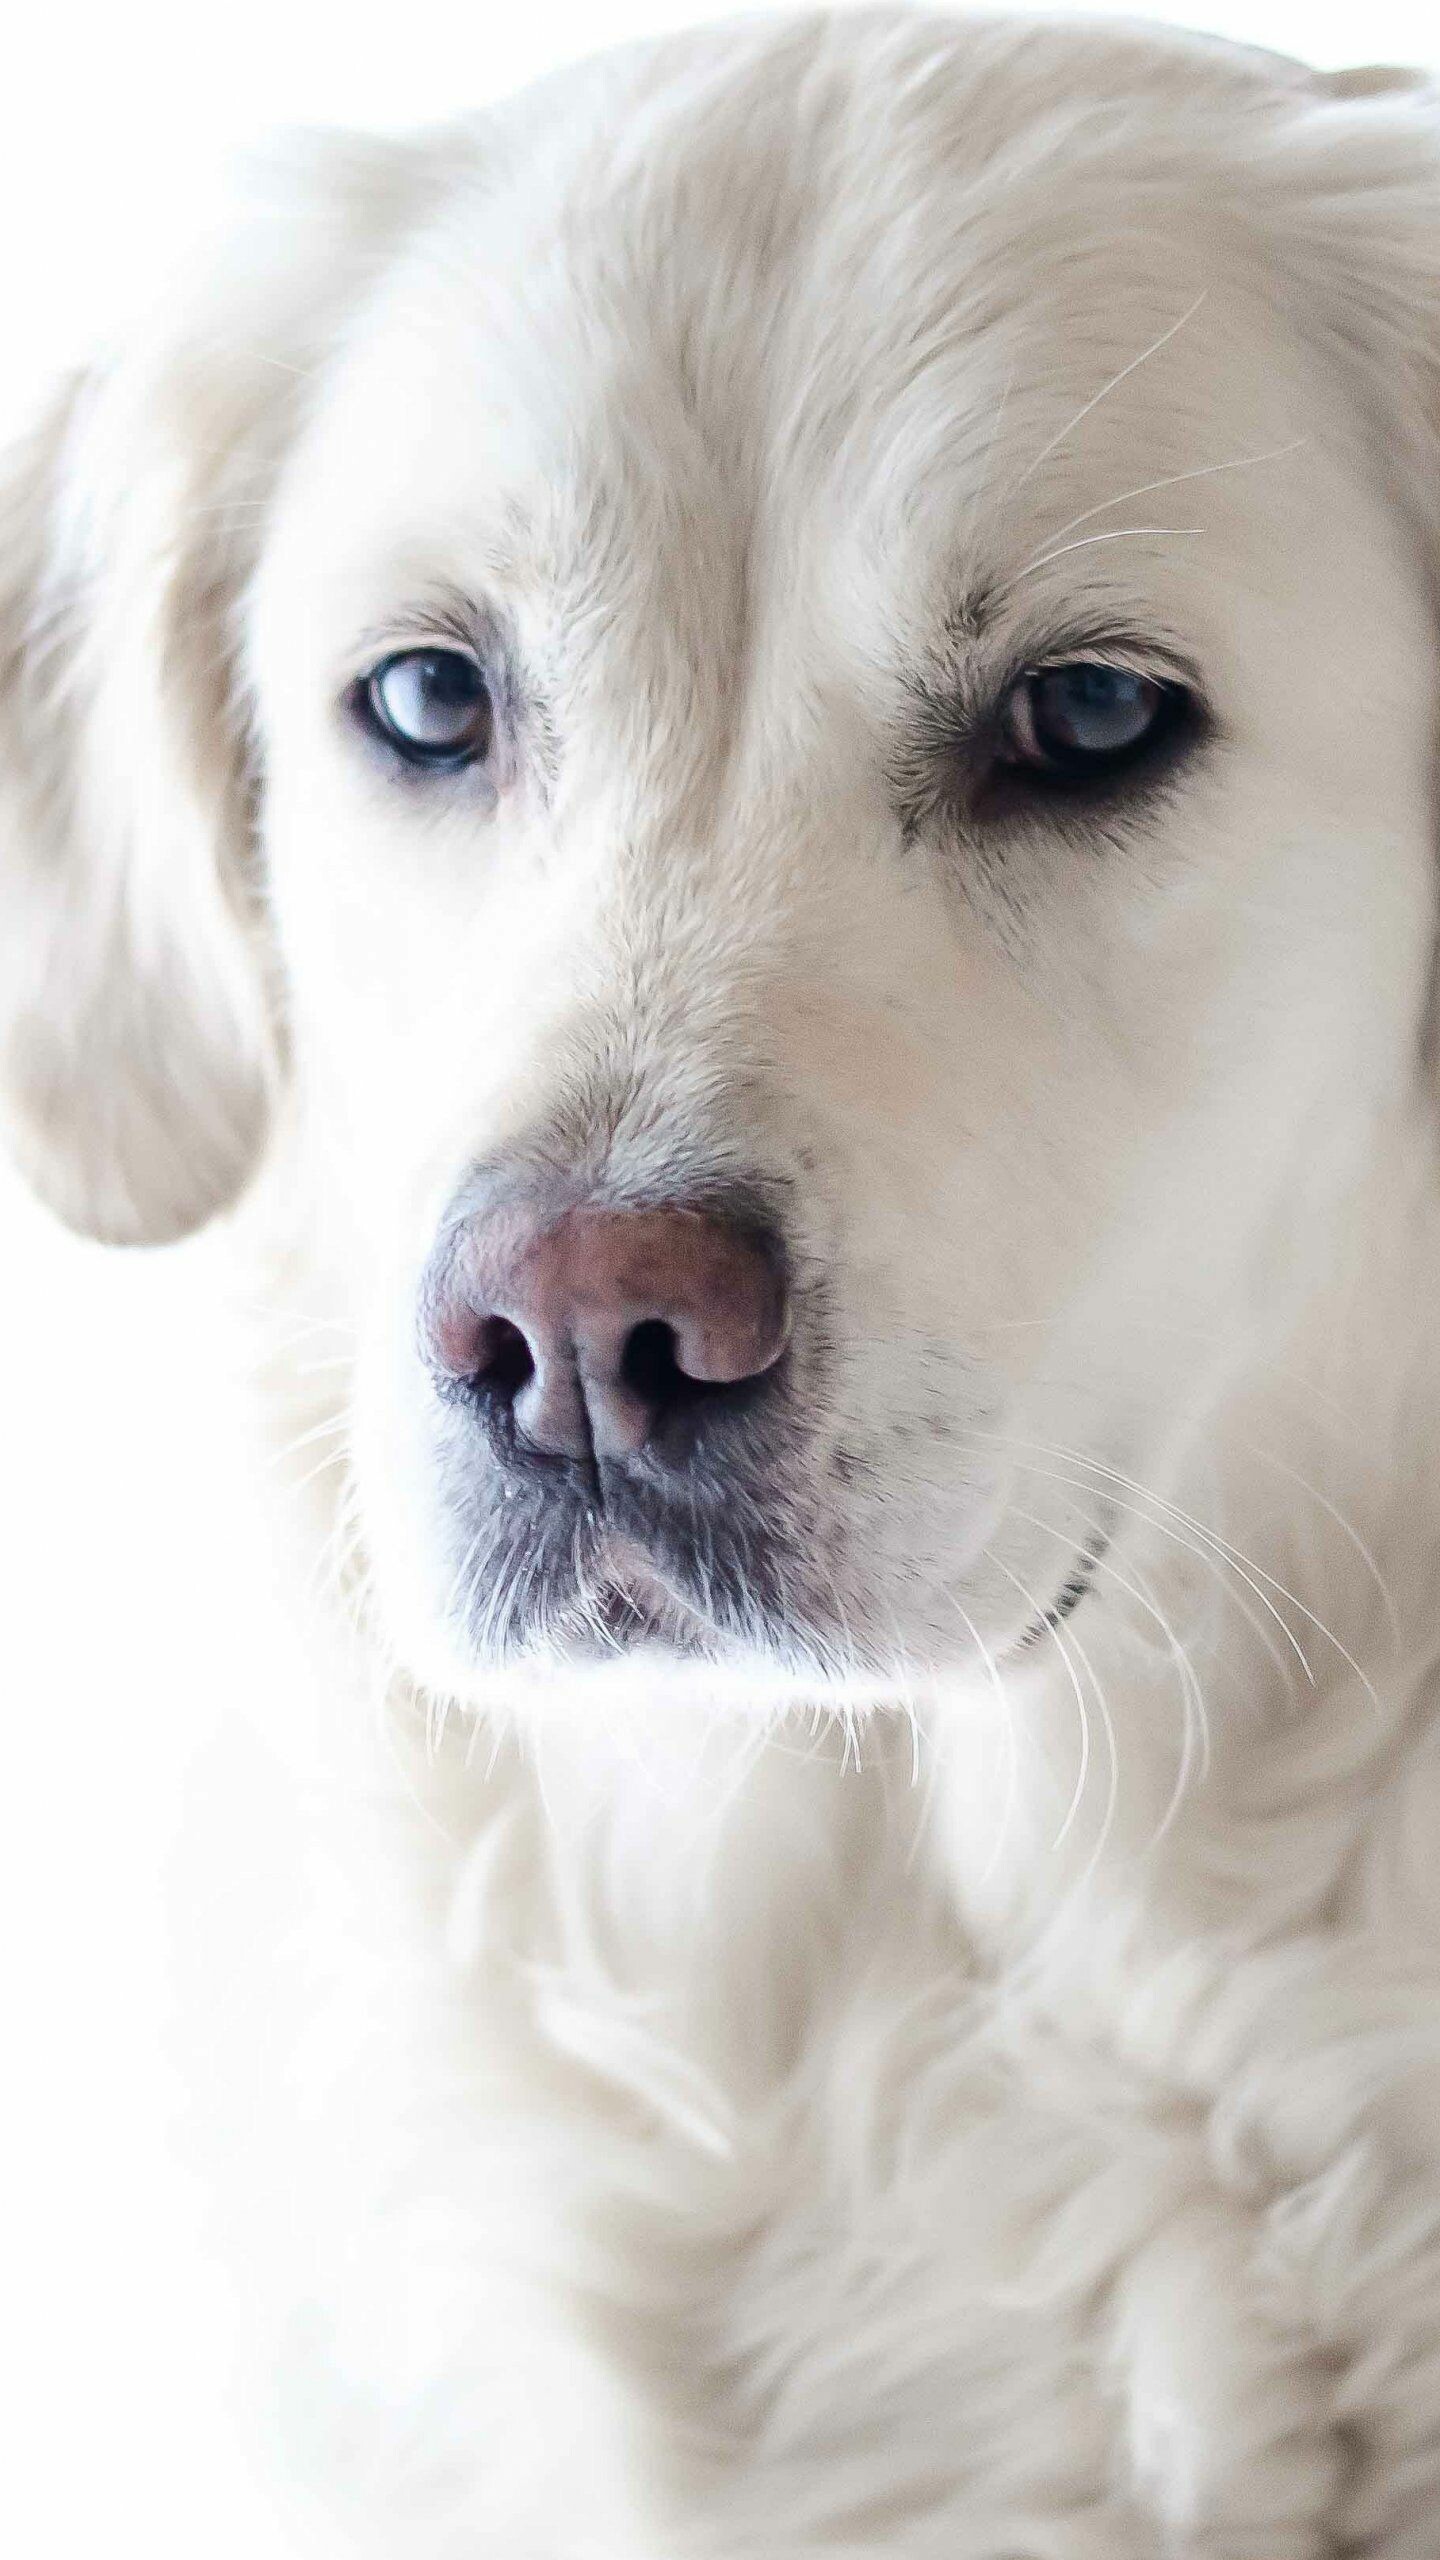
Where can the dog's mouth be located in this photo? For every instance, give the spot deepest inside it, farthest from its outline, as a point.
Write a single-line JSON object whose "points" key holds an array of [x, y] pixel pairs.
{"points": [[546, 1580], [1076, 1587], [616, 1594], [630, 1606], [737, 1570], [615, 1622]]}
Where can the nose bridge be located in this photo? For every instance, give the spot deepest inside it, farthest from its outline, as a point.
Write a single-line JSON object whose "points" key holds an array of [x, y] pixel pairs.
{"points": [[661, 1043], [658, 937]]}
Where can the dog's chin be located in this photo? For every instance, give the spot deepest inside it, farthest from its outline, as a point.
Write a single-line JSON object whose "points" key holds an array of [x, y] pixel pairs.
{"points": [[629, 1610], [627, 1629]]}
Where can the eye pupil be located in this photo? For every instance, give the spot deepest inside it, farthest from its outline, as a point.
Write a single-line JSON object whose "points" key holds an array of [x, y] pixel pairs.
{"points": [[1082, 720], [433, 705]]}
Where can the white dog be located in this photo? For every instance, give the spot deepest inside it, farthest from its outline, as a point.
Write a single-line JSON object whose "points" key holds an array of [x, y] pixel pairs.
{"points": [[755, 746]]}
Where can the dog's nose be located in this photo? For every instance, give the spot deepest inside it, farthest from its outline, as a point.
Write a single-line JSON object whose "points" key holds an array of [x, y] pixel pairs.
{"points": [[601, 1332]]}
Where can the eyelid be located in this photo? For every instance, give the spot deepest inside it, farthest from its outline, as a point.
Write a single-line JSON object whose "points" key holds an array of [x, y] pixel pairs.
{"points": [[979, 699], [434, 616], [398, 640], [1127, 654], [945, 763]]}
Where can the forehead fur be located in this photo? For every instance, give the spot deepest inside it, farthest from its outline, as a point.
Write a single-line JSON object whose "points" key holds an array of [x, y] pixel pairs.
{"points": [[662, 293]]}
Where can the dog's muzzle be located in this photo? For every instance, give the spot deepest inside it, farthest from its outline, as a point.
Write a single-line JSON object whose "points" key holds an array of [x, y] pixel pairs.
{"points": [[617, 1387]]}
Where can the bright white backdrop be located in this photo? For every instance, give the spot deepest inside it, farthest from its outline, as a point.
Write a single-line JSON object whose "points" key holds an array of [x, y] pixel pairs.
{"points": [[123, 1541]]}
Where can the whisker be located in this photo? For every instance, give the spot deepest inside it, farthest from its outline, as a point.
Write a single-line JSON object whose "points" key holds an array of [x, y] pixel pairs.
{"points": [[1124, 533], [1218, 1546], [1347, 1530], [1007, 1721], [1063, 434], [327, 1430], [1082, 1774], [1247, 1568], [1174, 480], [1194, 1719], [336, 1458], [1203, 1555], [1064, 1638]]}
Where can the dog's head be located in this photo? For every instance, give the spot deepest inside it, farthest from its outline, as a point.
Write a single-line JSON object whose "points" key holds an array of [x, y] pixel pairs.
{"points": [[777, 714]]}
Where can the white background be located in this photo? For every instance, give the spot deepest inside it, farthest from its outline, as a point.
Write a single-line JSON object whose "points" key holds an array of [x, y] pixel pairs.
{"points": [[126, 1554]]}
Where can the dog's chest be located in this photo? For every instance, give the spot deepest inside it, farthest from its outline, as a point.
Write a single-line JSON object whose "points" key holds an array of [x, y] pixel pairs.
{"points": [[818, 2236], [744, 2215]]}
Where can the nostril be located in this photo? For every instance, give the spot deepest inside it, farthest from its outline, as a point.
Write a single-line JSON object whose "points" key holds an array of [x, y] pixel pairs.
{"points": [[504, 1362], [593, 1333], [650, 1367], [652, 1371]]}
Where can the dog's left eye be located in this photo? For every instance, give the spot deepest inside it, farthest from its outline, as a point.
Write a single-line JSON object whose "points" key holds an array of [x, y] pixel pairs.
{"points": [[431, 705], [1072, 723]]}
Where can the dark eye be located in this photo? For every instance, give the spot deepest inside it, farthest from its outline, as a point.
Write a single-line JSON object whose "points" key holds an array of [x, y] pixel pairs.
{"points": [[1069, 724], [431, 705]]}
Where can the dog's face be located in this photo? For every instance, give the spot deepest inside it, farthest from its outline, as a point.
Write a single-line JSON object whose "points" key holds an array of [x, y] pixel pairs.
{"points": [[842, 693]]}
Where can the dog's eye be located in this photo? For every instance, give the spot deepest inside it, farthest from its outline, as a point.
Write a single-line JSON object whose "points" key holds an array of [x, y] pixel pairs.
{"points": [[1075, 723], [431, 705]]}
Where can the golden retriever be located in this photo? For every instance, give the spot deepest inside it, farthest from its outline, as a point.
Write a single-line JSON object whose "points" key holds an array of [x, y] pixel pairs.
{"points": [[750, 750]]}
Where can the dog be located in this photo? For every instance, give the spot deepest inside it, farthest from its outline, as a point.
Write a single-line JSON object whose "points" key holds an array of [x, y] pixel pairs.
{"points": [[744, 758]]}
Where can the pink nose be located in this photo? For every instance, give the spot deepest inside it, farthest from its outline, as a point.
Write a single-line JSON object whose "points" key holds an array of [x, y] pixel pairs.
{"points": [[598, 1328]]}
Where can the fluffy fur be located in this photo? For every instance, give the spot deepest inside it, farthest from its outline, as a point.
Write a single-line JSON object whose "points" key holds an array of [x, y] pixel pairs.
{"points": [[930, 2081]]}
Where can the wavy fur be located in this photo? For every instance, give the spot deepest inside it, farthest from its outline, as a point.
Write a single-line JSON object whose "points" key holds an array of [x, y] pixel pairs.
{"points": [[963, 2093]]}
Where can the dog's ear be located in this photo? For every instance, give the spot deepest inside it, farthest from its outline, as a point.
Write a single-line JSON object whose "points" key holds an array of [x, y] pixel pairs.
{"points": [[1393, 312], [138, 1044]]}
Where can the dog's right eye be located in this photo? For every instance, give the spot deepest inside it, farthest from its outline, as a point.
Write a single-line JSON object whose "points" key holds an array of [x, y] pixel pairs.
{"points": [[432, 706], [1082, 722]]}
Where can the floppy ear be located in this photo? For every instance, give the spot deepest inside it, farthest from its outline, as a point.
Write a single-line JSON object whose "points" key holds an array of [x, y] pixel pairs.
{"points": [[138, 1041]]}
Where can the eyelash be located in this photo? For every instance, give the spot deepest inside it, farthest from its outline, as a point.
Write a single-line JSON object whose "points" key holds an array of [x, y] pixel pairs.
{"points": [[953, 764], [1025, 749]]}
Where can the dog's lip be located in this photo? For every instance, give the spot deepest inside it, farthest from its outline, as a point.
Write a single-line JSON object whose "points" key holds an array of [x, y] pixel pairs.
{"points": [[640, 1607], [630, 1567], [1078, 1582], [618, 1619]]}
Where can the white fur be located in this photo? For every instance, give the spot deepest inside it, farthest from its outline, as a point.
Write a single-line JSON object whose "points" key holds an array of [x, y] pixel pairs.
{"points": [[958, 2098]]}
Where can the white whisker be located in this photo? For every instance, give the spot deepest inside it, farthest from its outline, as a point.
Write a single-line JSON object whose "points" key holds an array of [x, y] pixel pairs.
{"points": [[1012, 1758], [1123, 533], [1173, 1523], [1347, 1530], [1063, 1639], [1194, 1721], [1176, 479], [1063, 434]]}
